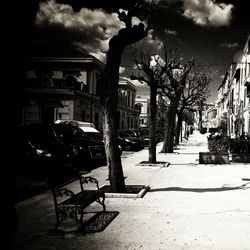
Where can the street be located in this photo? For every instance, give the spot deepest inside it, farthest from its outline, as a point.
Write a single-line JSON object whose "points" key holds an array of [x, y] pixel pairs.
{"points": [[189, 206]]}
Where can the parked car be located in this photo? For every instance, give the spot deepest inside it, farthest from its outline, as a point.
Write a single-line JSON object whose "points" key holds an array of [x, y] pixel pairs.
{"points": [[129, 142], [87, 127], [145, 134], [90, 152], [42, 154]]}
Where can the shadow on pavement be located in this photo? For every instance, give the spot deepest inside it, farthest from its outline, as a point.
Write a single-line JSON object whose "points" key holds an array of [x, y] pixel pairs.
{"points": [[200, 190]]}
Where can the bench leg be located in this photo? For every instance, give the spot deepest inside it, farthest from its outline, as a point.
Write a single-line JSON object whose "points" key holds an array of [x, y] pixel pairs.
{"points": [[102, 202], [59, 218], [81, 220]]}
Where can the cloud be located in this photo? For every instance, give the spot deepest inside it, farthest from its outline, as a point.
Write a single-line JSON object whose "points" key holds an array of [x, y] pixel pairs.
{"points": [[88, 29], [153, 40], [229, 45], [208, 12]]}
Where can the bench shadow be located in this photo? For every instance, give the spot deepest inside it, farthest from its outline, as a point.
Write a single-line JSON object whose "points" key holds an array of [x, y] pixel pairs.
{"points": [[99, 222], [200, 190], [94, 224]]}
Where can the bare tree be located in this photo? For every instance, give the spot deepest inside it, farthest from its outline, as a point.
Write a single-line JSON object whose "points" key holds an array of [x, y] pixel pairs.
{"points": [[176, 75], [151, 70], [168, 76], [196, 89]]}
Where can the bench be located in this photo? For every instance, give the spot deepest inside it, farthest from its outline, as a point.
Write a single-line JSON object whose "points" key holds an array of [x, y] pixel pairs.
{"points": [[70, 204]]}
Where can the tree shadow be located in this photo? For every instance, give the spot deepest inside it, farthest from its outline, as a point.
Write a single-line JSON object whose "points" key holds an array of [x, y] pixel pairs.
{"points": [[201, 190]]}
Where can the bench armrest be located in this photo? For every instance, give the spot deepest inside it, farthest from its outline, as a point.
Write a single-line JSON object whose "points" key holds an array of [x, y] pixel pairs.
{"points": [[89, 179], [61, 192]]}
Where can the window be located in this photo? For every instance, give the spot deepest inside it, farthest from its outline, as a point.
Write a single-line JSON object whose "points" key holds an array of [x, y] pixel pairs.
{"points": [[138, 107], [141, 121]]}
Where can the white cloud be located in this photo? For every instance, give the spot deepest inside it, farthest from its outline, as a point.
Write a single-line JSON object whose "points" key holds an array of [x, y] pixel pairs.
{"points": [[208, 12], [153, 40], [229, 45], [89, 29]]}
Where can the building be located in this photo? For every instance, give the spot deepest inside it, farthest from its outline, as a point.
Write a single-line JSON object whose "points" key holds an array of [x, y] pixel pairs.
{"points": [[62, 86], [234, 93], [246, 85], [211, 117], [66, 85], [142, 105], [128, 113]]}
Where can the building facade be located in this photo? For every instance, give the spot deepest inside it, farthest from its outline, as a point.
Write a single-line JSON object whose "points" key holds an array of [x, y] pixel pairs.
{"points": [[67, 86], [128, 113], [142, 105], [234, 93], [62, 87], [211, 117]]}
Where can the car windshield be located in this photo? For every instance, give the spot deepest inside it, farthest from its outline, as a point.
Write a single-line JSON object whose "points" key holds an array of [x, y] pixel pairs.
{"points": [[65, 131], [94, 135]]}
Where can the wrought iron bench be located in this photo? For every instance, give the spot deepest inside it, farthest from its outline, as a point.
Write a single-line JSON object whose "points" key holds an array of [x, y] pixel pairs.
{"points": [[70, 204]]}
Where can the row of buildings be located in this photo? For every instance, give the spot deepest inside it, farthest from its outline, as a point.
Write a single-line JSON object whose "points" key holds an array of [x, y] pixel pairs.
{"points": [[66, 85], [233, 106]]}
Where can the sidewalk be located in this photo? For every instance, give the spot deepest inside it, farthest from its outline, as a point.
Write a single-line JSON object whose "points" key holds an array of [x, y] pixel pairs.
{"points": [[189, 206]]}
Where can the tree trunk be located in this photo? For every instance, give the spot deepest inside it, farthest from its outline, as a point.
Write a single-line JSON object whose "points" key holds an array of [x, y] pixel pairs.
{"points": [[152, 126], [200, 119], [109, 97], [178, 128], [168, 142]]}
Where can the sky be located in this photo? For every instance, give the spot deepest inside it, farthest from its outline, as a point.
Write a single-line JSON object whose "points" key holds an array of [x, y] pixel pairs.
{"points": [[213, 32]]}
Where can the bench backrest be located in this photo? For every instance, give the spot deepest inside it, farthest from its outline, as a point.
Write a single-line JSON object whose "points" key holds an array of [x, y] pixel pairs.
{"points": [[58, 181]]}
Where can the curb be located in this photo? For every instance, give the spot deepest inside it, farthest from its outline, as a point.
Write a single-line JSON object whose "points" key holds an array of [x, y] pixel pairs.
{"points": [[141, 194]]}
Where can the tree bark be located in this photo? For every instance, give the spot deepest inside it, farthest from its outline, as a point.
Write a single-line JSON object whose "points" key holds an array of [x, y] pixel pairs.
{"points": [[178, 128], [168, 142], [109, 97], [152, 126], [200, 119]]}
